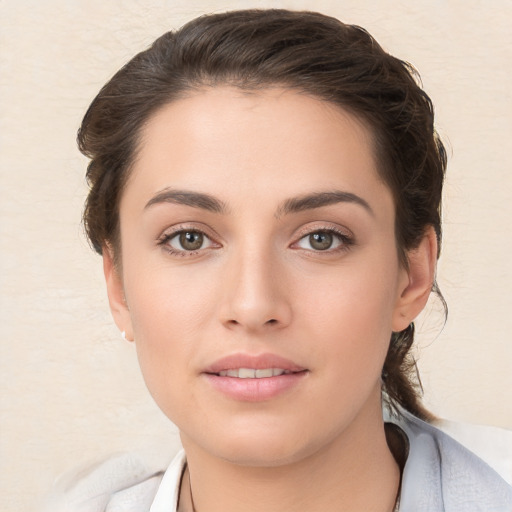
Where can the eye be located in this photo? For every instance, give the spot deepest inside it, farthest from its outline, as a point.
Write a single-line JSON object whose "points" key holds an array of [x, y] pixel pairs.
{"points": [[188, 240], [323, 240]]}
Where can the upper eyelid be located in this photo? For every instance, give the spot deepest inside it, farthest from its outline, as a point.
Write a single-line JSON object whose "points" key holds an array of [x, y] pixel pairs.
{"points": [[171, 231], [341, 231]]}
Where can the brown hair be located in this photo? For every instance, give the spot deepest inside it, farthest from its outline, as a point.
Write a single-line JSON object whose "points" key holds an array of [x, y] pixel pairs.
{"points": [[305, 51]]}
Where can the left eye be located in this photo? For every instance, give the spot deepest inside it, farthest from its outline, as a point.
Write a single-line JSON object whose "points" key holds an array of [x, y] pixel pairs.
{"points": [[321, 241], [189, 240]]}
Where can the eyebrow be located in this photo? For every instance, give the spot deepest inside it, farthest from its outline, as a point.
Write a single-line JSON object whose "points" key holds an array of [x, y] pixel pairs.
{"points": [[292, 205], [184, 197], [319, 199]]}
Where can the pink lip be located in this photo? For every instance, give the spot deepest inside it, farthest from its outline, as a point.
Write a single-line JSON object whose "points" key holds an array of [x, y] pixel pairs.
{"points": [[258, 362], [254, 390]]}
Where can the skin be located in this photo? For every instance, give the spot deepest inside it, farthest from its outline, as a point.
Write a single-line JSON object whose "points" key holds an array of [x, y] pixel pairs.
{"points": [[258, 285]]}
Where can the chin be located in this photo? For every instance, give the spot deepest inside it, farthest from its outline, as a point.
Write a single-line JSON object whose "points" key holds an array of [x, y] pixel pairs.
{"points": [[261, 446]]}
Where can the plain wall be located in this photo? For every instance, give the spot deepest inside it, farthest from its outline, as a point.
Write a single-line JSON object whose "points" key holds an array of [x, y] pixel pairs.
{"points": [[71, 389]]}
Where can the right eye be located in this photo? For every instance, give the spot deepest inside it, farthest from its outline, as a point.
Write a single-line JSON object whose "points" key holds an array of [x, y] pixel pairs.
{"points": [[186, 241]]}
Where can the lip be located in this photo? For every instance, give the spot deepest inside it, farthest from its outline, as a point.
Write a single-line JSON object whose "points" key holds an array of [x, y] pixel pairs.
{"points": [[258, 362], [254, 390]]}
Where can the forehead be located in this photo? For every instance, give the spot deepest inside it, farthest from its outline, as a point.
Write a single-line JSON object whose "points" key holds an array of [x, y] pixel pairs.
{"points": [[232, 113], [246, 143]]}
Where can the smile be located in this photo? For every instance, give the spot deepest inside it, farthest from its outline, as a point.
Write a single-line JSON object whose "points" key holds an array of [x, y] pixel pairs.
{"points": [[253, 373], [254, 377]]}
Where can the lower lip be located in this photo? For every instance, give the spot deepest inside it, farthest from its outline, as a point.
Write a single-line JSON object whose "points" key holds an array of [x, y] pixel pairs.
{"points": [[255, 390]]}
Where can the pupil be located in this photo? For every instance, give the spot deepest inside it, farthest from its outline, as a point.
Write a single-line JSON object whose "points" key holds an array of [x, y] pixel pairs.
{"points": [[320, 241], [191, 240]]}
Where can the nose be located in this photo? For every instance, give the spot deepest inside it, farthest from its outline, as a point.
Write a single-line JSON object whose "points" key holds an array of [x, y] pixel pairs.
{"points": [[256, 298]]}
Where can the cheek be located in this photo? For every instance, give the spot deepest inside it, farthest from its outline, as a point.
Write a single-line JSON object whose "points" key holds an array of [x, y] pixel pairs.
{"points": [[169, 312], [355, 298], [348, 318], [167, 302]]}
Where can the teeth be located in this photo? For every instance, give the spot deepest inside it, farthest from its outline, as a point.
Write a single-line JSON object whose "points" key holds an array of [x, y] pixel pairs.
{"points": [[246, 373], [267, 372], [251, 373]]}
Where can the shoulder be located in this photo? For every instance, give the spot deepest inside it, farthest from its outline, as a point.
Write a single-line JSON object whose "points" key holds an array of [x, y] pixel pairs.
{"points": [[122, 483], [443, 475]]}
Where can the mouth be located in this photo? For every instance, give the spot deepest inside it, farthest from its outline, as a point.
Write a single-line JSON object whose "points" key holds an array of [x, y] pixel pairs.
{"points": [[249, 378], [253, 373], [247, 366]]}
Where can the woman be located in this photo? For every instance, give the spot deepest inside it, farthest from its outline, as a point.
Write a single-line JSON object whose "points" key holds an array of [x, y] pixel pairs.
{"points": [[265, 193]]}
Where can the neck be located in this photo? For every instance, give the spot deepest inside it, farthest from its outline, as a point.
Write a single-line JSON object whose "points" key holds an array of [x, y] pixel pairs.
{"points": [[356, 470]]}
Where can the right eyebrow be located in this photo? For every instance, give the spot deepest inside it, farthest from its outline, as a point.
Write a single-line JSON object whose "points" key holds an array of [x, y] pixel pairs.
{"points": [[188, 198]]}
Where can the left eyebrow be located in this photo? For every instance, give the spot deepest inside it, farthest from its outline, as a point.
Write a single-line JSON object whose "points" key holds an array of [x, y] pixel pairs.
{"points": [[319, 199]]}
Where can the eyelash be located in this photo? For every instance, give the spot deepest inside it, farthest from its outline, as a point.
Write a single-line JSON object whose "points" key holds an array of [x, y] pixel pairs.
{"points": [[345, 241], [164, 240]]}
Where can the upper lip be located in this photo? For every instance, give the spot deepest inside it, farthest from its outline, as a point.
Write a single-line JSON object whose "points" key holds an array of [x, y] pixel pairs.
{"points": [[257, 362]]}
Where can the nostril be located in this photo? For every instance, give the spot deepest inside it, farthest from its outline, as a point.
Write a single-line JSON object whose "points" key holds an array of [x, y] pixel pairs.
{"points": [[272, 321]]}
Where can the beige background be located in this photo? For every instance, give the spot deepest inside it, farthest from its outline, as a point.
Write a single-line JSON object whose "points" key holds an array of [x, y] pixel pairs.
{"points": [[70, 386]]}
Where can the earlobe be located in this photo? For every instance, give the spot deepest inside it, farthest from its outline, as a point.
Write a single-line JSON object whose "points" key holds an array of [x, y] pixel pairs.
{"points": [[116, 297], [420, 275]]}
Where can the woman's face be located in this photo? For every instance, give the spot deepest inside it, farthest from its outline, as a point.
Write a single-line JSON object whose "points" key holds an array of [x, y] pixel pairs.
{"points": [[260, 275]]}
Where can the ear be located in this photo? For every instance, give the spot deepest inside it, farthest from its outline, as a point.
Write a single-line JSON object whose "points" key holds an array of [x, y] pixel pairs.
{"points": [[416, 286], [116, 297]]}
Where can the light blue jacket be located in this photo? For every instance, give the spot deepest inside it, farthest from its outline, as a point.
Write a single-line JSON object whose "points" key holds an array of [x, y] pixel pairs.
{"points": [[441, 475]]}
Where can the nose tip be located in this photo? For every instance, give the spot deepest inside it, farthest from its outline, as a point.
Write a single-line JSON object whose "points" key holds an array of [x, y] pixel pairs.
{"points": [[255, 297], [264, 315]]}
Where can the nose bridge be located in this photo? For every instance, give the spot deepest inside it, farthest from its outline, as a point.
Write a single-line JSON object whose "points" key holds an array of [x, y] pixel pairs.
{"points": [[255, 295]]}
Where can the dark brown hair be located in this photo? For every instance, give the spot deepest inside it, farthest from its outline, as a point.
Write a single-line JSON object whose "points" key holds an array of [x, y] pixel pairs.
{"points": [[305, 51]]}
